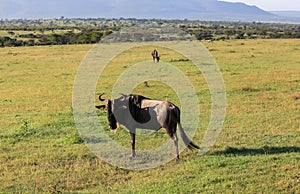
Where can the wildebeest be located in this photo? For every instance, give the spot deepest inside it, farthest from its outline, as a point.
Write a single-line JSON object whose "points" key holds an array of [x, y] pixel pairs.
{"points": [[136, 111], [155, 56]]}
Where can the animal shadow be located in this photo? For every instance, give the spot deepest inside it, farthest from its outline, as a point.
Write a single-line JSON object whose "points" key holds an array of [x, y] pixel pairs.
{"points": [[266, 150]]}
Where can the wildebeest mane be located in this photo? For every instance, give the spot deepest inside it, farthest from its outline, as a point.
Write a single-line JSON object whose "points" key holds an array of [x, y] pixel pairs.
{"points": [[139, 114]]}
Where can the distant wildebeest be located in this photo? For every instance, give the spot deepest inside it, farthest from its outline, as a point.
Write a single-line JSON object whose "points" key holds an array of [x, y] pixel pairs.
{"points": [[136, 111], [155, 56]]}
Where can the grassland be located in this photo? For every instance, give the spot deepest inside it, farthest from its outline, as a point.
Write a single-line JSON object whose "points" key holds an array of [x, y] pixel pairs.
{"points": [[258, 150]]}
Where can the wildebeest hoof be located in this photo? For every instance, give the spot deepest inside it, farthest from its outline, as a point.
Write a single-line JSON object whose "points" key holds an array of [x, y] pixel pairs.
{"points": [[132, 157]]}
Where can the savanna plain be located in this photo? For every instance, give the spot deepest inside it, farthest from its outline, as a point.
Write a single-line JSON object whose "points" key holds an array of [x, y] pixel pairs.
{"points": [[258, 150]]}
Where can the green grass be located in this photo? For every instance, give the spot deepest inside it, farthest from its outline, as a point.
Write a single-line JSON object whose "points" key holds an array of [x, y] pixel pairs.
{"points": [[256, 152]]}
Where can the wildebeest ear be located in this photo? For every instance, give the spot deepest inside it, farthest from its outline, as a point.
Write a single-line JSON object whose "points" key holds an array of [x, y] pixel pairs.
{"points": [[100, 107]]}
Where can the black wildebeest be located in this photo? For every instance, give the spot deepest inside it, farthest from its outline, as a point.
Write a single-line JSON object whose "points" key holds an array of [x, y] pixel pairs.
{"points": [[155, 56], [136, 111]]}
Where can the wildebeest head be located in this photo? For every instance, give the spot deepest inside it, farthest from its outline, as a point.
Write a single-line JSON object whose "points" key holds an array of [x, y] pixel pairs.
{"points": [[112, 122]]}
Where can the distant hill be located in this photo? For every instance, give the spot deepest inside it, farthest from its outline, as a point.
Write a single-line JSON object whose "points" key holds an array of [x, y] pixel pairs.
{"points": [[288, 16], [192, 9], [142, 9], [292, 14]]}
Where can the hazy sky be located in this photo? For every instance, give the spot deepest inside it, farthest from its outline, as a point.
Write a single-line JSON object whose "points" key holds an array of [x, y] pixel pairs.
{"points": [[273, 5]]}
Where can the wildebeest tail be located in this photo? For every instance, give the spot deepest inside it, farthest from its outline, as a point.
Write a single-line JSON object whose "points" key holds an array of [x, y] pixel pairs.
{"points": [[186, 139], [183, 135]]}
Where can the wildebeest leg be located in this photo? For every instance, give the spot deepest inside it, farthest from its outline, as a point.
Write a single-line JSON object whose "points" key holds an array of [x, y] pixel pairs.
{"points": [[175, 140], [132, 141], [173, 136]]}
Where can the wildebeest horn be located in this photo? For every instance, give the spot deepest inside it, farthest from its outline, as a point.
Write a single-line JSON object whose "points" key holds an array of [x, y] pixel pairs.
{"points": [[100, 97], [123, 96]]}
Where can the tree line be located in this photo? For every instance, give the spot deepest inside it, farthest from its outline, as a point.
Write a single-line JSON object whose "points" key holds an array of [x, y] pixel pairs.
{"points": [[86, 36], [90, 31], [238, 30], [227, 34]]}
